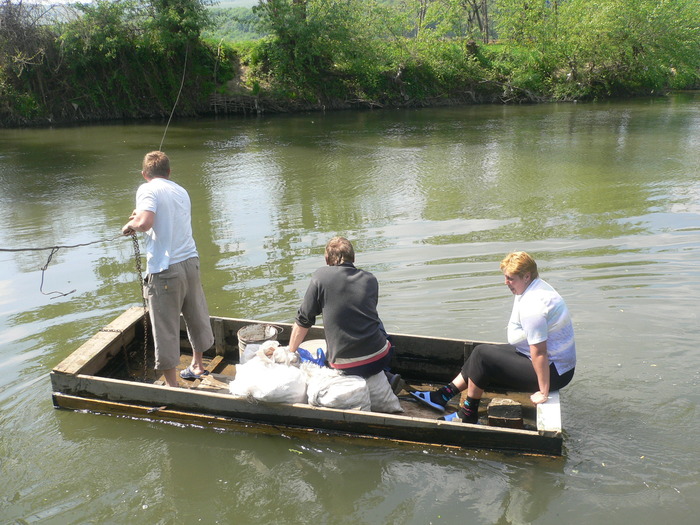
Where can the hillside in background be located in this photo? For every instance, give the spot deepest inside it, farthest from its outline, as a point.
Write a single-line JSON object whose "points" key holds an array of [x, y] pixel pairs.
{"points": [[226, 4], [232, 24]]}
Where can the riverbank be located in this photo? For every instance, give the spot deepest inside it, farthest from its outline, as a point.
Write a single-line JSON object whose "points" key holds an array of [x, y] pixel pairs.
{"points": [[99, 62], [247, 102]]}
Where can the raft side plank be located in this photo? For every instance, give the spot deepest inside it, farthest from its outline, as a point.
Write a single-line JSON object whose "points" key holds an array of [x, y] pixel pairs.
{"points": [[226, 334], [408, 344], [353, 422], [216, 421], [159, 414], [97, 351], [416, 357]]}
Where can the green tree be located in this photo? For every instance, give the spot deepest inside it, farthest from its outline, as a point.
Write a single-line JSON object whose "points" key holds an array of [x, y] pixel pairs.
{"points": [[527, 22], [601, 48], [459, 18], [177, 22], [25, 45], [123, 58], [306, 40], [620, 47]]}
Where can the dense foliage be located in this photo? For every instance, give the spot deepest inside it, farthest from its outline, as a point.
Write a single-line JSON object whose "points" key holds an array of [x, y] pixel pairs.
{"points": [[434, 50], [126, 58], [105, 60], [601, 48]]}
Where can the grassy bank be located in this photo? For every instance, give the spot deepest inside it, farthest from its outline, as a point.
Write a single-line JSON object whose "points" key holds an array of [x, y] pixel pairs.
{"points": [[135, 59]]}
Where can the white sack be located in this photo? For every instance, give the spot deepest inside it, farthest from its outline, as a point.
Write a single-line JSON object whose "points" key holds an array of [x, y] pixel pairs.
{"points": [[267, 381], [331, 389], [381, 395], [265, 350]]}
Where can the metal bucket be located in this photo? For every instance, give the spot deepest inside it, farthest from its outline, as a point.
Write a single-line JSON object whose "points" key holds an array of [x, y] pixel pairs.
{"points": [[256, 334]]}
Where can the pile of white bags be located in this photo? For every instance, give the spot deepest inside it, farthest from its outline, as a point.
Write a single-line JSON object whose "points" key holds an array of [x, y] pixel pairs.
{"points": [[271, 378], [275, 375]]}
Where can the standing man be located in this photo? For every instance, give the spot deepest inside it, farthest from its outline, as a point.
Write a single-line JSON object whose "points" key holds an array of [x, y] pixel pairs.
{"points": [[173, 286], [347, 298]]}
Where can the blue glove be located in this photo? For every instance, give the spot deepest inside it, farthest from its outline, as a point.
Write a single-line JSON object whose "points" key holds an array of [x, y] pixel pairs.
{"points": [[307, 357]]}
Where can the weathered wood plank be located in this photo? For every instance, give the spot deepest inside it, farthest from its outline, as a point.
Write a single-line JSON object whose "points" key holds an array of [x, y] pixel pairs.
{"points": [[219, 336], [218, 422], [97, 351], [381, 425], [505, 412]]}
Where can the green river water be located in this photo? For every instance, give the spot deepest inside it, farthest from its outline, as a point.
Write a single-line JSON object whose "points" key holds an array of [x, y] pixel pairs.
{"points": [[606, 196]]}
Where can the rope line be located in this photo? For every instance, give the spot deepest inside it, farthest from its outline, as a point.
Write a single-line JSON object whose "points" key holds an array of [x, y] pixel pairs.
{"points": [[139, 273], [182, 83], [55, 249], [58, 247], [141, 282], [43, 272]]}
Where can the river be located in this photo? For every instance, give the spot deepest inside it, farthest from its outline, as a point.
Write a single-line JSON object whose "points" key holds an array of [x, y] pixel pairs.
{"points": [[606, 197]]}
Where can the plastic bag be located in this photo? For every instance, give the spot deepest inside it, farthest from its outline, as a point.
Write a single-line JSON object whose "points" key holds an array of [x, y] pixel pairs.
{"points": [[250, 351], [271, 352]]}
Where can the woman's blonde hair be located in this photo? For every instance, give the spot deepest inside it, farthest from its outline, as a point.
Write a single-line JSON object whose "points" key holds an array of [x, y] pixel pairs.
{"points": [[519, 263]]}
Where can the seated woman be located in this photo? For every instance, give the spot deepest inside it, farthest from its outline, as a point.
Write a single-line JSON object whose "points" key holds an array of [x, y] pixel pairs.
{"points": [[541, 354]]}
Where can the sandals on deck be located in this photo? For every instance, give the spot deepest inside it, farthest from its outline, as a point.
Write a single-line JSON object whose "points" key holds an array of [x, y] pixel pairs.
{"points": [[424, 397], [187, 373]]}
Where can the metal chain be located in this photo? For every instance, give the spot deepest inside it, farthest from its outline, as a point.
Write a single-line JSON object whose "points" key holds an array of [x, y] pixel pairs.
{"points": [[137, 256]]}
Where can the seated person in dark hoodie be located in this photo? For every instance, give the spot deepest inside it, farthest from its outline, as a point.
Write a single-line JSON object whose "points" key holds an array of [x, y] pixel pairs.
{"points": [[347, 299]]}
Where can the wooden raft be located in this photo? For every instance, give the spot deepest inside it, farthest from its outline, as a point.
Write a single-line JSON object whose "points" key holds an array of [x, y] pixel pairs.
{"points": [[100, 376]]}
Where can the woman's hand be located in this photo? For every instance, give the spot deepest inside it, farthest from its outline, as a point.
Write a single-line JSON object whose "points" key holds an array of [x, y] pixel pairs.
{"points": [[540, 362], [539, 397]]}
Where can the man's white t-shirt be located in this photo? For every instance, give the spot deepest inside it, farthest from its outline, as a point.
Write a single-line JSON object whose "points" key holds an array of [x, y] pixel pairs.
{"points": [[170, 239]]}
